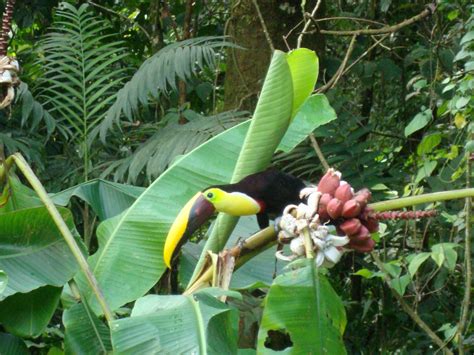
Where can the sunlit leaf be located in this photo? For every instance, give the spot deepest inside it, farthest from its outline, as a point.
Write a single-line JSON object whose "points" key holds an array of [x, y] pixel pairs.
{"points": [[302, 308], [399, 284], [418, 122], [177, 324], [314, 112], [416, 262]]}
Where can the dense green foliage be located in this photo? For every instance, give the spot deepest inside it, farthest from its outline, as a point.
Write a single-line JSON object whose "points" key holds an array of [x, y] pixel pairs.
{"points": [[131, 92]]}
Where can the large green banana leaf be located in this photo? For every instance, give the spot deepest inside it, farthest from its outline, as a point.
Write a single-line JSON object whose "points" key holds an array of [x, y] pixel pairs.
{"points": [[302, 307], [85, 333], [106, 198], [315, 111], [18, 195], [197, 324], [28, 314], [3, 281], [33, 253], [11, 345], [129, 260]]}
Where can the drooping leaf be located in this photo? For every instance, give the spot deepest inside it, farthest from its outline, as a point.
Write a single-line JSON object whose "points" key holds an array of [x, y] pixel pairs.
{"points": [[32, 251], [426, 170], [399, 284], [418, 122], [159, 73], [177, 324], [85, 333], [444, 253], [11, 345], [106, 198], [28, 314], [177, 139], [314, 112], [416, 262], [303, 309]]}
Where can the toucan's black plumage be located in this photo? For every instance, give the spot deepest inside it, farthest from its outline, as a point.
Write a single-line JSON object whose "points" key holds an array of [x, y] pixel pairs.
{"points": [[272, 188], [264, 193]]}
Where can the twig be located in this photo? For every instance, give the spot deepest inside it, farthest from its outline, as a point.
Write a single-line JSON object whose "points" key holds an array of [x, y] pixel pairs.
{"points": [[64, 229], [371, 31], [413, 315], [365, 53], [357, 19], [465, 306], [285, 37], [318, 151], [340, 71], [186, 35], [307, 23], [173, 22], [339, 75], [145, 32], [264, 26]]}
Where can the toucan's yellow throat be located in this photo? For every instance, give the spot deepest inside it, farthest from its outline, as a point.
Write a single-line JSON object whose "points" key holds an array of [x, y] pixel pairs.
{"points": [[199, 209], [196, 211], [233, 203]]}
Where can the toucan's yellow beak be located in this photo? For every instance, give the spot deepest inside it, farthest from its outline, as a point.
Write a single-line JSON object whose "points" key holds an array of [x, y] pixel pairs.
{"points": [[197, 211]]}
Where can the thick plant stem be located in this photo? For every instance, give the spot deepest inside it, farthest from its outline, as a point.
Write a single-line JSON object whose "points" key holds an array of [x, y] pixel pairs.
{"points": [[466, 303], [425, 198], [267, 237], [308, 243], [63, 228], [413, 315]]}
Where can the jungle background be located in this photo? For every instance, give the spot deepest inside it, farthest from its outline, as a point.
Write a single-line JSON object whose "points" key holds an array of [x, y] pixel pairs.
{"points": [[128, 102]]}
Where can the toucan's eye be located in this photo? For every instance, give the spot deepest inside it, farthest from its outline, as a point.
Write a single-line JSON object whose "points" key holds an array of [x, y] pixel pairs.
{"points": [[210, 195]]}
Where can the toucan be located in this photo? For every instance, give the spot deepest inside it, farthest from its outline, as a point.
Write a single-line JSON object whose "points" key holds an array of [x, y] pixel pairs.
{"points": [[264, 193]]}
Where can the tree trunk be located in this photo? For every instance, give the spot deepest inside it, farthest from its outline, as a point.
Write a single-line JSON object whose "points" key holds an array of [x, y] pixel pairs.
{"points": [[246, 68]]}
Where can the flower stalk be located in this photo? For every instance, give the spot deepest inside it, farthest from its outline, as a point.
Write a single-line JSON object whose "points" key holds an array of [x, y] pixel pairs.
{"points": [[21, 163]]}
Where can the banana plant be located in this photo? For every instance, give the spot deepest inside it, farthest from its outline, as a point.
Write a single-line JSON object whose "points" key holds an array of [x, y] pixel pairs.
{"points": [[129, 259]]}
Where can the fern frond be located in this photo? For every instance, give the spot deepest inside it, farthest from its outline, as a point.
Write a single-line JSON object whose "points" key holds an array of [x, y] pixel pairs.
{"points": [[172, 141], [80, 69], [32, 112], [159, 74]]}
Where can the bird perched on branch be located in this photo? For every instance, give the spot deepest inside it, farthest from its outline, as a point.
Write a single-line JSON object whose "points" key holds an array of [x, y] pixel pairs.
{"points": [[262, 194]]}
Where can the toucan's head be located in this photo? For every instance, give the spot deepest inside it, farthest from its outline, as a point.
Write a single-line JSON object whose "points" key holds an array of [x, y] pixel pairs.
{"points": [[200, 208]]}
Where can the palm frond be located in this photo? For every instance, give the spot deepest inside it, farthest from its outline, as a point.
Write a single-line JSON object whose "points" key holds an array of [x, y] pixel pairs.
{"points": [[32, 112], [159, 74], [80, 69], [172, 141]]}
